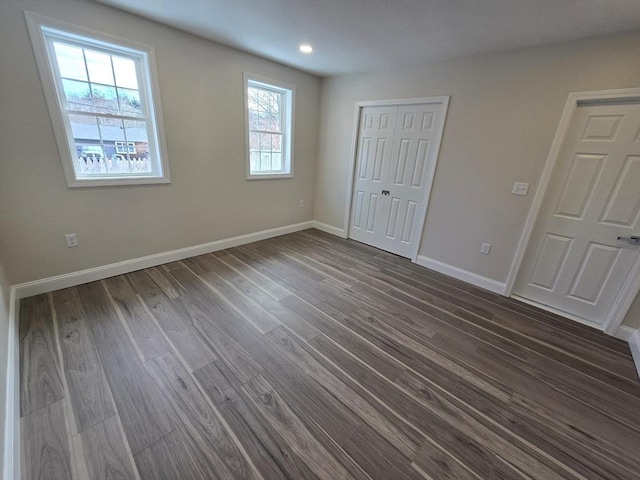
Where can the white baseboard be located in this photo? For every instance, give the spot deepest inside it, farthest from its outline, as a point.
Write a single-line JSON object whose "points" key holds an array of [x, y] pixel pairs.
{"points": [[11, 434], [624, 333], [634, 345], [460, 274], [339, 232], [44, 285]]}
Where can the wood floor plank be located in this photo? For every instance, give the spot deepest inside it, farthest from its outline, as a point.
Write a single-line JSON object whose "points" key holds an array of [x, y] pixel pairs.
{"points": [[89, 392], [398, 434], [170, 288], [173, 457], [340, 247], [435, 416], [252, 291], [146, 334], [503, 470], [435, 463], [219, 323], [261, 318], [512, 348], [378, 456], [104, 454], [284, 421], [173, 320], [144, 416], [273, 456], [40, 379], [562, 443], [269, 286], [198, 420], [45, 446]]}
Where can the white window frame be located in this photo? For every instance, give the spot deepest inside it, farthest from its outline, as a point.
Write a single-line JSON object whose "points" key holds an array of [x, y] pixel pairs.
{"points": [[42, 31], [288, 92]]}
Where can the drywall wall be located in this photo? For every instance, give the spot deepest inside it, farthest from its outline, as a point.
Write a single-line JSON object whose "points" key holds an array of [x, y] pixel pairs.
{"points": [[201, 91], [503, 114], [632, 319], [5, 290]]}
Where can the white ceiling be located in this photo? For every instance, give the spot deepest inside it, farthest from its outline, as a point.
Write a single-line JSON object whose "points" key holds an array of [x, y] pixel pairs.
{"points": [[363, 35]]}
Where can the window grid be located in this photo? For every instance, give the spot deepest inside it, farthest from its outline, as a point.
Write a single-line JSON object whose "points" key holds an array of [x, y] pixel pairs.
{"points": [[99, 90], [267, 111], [124, 163]]}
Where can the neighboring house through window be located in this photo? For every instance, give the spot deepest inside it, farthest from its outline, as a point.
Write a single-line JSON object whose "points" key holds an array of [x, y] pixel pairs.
{"points": [[269, 118], [103, 100]]}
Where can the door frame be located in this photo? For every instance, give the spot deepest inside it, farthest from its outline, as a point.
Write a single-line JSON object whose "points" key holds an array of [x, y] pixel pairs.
{"points": [[439, 132], [631, 286]]}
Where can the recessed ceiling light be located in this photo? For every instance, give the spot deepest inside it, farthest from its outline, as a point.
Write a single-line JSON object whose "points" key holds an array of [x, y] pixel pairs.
{"points": [[305, 48]]}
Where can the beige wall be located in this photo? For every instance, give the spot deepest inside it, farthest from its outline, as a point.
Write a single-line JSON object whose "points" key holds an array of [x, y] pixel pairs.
{"points": [[503, 115], [632, 318], [202, 98]]}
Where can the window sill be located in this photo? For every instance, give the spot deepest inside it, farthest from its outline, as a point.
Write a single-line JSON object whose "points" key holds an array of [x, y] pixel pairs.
{"points": [[114, 181], [269, 176]]}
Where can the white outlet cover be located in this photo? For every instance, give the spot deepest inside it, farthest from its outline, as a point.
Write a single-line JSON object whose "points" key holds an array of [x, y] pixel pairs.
{"points": [[72, 240], [520, 188], [486, 248]]}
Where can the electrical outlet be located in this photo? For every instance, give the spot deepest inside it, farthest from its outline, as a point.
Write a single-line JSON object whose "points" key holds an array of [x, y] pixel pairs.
{"points": [[72, 240], [301, 203], [486, 248], [520, 188]]}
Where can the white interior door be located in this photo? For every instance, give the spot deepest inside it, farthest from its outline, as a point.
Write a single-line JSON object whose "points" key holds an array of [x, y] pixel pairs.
{"points": [[575, 262], [396, 153], [375, 141]]}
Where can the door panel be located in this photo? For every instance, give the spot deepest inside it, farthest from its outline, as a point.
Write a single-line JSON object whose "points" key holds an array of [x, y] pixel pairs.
{"points": [[574, 261]]}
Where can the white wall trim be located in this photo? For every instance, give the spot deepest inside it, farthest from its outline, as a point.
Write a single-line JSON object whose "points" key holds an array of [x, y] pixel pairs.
{"points": [[464, 275], [98, 273], [631, 287], [624, 333], [339, 232], [634, 345], [439, 134], [11, 434]]}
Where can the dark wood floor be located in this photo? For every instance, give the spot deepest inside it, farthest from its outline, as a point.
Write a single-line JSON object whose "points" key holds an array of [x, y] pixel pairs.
{"points": [[312, 357]]}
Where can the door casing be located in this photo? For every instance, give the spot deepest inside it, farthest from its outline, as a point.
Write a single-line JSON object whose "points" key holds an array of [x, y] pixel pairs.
{"points": [[631, 286], [421, 213]]}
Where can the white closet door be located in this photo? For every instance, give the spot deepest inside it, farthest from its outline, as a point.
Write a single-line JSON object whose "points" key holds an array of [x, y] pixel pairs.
{"points": [[409, 169], [375, 141], [575, 262], [396, 153]]}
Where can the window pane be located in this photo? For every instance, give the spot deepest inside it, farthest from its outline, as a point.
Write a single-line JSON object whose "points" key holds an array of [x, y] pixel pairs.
{"points": [[125, 70], [254, 120], [276, 161], [136, 131], [129, 102], [77, 94], [111, 130], [70, 61], [99, 66], [104, 99], [84, 128]]}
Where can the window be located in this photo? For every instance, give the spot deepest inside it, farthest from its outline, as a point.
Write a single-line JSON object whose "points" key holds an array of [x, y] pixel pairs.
{"points": [[121, 147], [269, 110], [103, 104]]}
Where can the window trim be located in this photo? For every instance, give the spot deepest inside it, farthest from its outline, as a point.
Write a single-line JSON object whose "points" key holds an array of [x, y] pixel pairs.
{"points": [[288, 130], [148, 83]]}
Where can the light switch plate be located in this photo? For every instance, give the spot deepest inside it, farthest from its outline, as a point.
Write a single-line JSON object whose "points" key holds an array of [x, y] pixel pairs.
{"points": [[520, 188]]}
